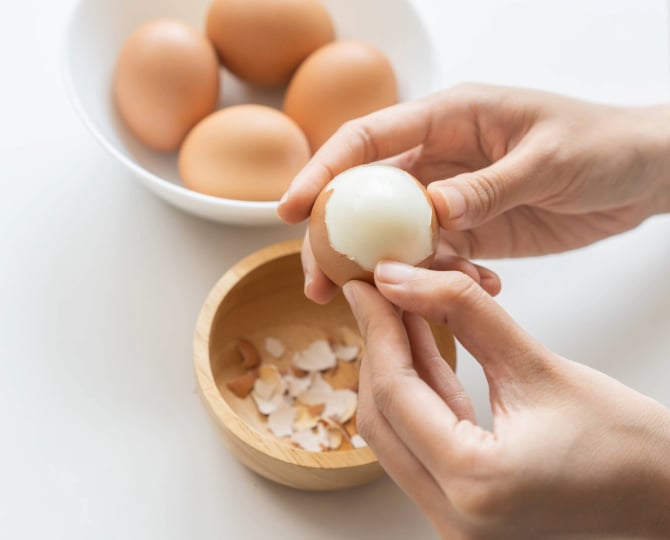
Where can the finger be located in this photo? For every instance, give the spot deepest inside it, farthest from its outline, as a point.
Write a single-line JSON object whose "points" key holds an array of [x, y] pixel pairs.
{"points": [[318, 288], [393, 455], [488, 279], [433, 369], [505, 351], [472, 198], [376, 136], [421, 419], [424, 168]]}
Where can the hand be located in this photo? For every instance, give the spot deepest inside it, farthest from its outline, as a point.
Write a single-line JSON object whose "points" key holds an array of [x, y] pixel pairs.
{"points": [[511, 172], [572, 450]]}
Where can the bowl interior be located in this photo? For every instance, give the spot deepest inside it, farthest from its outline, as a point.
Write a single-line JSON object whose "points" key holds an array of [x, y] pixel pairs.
{"points": [[269, 300], [98, 28]]}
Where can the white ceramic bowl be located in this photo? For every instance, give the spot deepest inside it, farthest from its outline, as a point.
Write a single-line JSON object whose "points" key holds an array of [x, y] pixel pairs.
{"points": [[97, 29]]}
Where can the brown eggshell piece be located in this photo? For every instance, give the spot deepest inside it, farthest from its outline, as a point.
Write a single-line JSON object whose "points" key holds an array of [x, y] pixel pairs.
{"points": [[338, 267], [166, 81], [264, 41], [339, 82], [245, 152]]}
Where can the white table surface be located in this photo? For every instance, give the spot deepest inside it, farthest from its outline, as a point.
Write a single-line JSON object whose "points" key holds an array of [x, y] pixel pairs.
{"points": [[102, 432]]}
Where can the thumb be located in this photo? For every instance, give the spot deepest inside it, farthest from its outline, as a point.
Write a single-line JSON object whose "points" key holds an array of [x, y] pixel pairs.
{"points": [[505, 351], [470, 199]]}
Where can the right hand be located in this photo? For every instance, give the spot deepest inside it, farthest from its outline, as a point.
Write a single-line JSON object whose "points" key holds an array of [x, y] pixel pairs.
{"points": [[571, 450], [511, 172]]}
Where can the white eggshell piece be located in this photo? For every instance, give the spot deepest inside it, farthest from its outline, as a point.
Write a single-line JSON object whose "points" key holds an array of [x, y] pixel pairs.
{"points": [[379, 212], [280, 421], [304, 419], [357, 441], [334, 438], [309, 440], [297, 385], [347, 353], [319, 384], [341, 405], [269, 382], [267, 406], [274, 347], [318, 356]]}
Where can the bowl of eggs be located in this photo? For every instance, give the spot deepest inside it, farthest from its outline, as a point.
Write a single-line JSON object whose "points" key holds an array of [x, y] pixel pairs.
{"points": [[279, 374], [214, 105]]}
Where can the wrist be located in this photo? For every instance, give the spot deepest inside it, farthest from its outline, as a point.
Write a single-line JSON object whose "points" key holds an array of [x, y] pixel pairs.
{"points": [[659, 475]]}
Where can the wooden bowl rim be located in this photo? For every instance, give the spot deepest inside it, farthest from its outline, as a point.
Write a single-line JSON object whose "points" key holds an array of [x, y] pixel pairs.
{"points": [[219, 408]]}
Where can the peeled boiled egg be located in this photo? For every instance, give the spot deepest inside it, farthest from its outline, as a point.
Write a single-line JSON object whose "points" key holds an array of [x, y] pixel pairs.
{"points": [[166, 81], [370, 213], [246, 152], [264, 41], [340, 81]]}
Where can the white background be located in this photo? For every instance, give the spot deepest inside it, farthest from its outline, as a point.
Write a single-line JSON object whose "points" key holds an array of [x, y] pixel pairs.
{"points": [[102, 434]]}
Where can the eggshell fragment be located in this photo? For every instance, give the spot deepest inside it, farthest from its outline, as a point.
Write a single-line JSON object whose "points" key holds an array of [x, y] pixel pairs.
{"points": [[357, 441], [370, 213], [242, 385], [245, 152], [264, 41], [280, 421], [166, 80], [248, 353], [274, 347], [318, 356], [346, 353], [296, 385], [307, 416], [269, 388], [313, 441], [340, 81]]}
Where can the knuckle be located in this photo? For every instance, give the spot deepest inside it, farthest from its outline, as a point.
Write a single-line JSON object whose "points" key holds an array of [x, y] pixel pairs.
{"points": [[383, 389], [459, 401], [375, 327], [487, 192], [358, 136], [365, 423], [463, 290], [479, 500], [467, 88]]}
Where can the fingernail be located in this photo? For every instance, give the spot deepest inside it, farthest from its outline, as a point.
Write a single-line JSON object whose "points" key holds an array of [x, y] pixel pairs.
{"points": [[308, 282], [454, 201], [394, 272], [284, 198]]}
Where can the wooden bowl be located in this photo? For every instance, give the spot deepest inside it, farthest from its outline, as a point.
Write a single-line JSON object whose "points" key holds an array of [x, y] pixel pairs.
{"points": [[262, 290]]}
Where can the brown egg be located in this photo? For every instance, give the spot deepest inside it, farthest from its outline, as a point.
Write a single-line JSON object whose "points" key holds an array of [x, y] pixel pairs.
{"points": [[339, 82], [246, 152], [166, 81], [370, 213], [264, 41]]}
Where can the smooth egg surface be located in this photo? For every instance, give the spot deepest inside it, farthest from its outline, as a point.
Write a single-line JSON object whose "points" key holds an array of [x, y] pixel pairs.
{"points": [[371, 213], [166, 81], [340, 81], [263, 41], [245, 152]]}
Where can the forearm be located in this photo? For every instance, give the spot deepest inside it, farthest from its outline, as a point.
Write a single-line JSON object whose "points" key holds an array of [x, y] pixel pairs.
{"points": [[654, 152], [657, 498], [646, 512]]}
